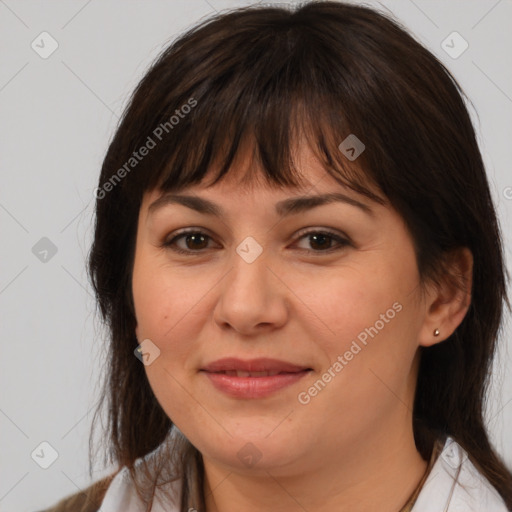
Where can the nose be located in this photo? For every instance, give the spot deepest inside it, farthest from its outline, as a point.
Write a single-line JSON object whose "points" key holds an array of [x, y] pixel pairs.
{"points": [[252, 298]]}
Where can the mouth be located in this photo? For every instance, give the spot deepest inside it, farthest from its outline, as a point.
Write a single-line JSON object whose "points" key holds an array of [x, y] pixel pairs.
{"points": [[256, 378]]}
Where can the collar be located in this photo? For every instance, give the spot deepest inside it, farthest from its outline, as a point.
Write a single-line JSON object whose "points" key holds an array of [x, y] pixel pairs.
{"points": [[451, 483]]}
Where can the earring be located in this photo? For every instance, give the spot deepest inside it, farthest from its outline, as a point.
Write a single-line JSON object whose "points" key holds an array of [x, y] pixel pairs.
{"points": [[436, 332]]}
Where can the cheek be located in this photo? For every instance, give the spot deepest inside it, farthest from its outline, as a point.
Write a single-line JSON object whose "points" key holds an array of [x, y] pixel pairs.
{"points": [[151, 300], [365, 322], [171, 305], [162, 306], [165, 313], [359, 301]]}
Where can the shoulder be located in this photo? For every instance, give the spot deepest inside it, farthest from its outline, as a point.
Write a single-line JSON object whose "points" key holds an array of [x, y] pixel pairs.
{"points": [[117, 491], [455, 484], [87, 500], [121, 495]]}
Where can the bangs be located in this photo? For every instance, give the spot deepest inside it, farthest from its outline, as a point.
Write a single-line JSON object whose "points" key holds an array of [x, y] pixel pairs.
{"points": [[259, 137], [263, 104]]}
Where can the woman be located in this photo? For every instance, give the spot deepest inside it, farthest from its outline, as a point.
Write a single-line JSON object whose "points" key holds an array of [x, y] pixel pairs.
{"points": [[299, 261]]}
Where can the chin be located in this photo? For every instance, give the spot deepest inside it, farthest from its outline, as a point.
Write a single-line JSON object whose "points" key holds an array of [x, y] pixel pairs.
{"points": [[246, 452]]}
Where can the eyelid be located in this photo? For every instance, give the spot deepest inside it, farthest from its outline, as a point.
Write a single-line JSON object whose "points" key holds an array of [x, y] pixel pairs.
{"points": [[184, 231], [325, 231]]}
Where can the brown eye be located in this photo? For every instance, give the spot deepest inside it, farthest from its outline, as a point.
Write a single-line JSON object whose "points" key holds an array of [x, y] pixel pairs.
{"points": [[189, 242], [323, 241], [196, 241], [320, 241]]}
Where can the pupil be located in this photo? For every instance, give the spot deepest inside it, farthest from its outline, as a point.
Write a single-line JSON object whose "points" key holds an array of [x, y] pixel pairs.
{"points": [[195, 238], [320, 238]]}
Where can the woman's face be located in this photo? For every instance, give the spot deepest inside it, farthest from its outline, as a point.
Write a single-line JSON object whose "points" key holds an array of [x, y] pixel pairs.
{"points": [[262, 280]]}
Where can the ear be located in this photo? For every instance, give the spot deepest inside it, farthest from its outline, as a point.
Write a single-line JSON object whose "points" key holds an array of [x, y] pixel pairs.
{"points": [[446, 304]]}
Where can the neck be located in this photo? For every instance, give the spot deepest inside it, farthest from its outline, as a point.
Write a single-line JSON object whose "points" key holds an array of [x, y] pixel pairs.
{"points": [[378, 472]]}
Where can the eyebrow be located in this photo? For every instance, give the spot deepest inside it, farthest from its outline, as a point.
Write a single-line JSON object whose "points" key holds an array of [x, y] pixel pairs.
{"points": [[283, 208]]}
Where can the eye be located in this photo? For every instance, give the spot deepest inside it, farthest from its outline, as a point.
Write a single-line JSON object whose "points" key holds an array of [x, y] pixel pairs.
{"points": [[322, 241], [195, 241]]}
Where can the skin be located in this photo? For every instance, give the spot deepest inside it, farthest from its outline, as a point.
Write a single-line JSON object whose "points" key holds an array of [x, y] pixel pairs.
{"points": [[351, 447]]}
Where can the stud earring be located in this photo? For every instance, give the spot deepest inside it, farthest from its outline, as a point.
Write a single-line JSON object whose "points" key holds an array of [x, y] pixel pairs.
{"points": [[436, 332]]}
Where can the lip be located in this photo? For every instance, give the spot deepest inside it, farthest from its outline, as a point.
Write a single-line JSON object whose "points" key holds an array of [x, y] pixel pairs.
{"points": [[261, 364], [252, 387]]}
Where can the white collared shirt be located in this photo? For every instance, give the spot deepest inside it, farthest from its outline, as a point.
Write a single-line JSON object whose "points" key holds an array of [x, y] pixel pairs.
{"points": [[453, 485]]}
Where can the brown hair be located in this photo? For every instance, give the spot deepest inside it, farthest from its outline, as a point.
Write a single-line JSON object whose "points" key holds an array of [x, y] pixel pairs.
{"points": [[324, 70]]}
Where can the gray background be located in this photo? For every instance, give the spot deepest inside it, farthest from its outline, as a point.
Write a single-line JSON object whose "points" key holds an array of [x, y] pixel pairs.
{"points": [[57, 116]]}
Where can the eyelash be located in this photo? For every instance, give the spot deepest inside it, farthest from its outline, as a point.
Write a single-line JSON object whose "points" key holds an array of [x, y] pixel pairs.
{"points": [[343, 242]]}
